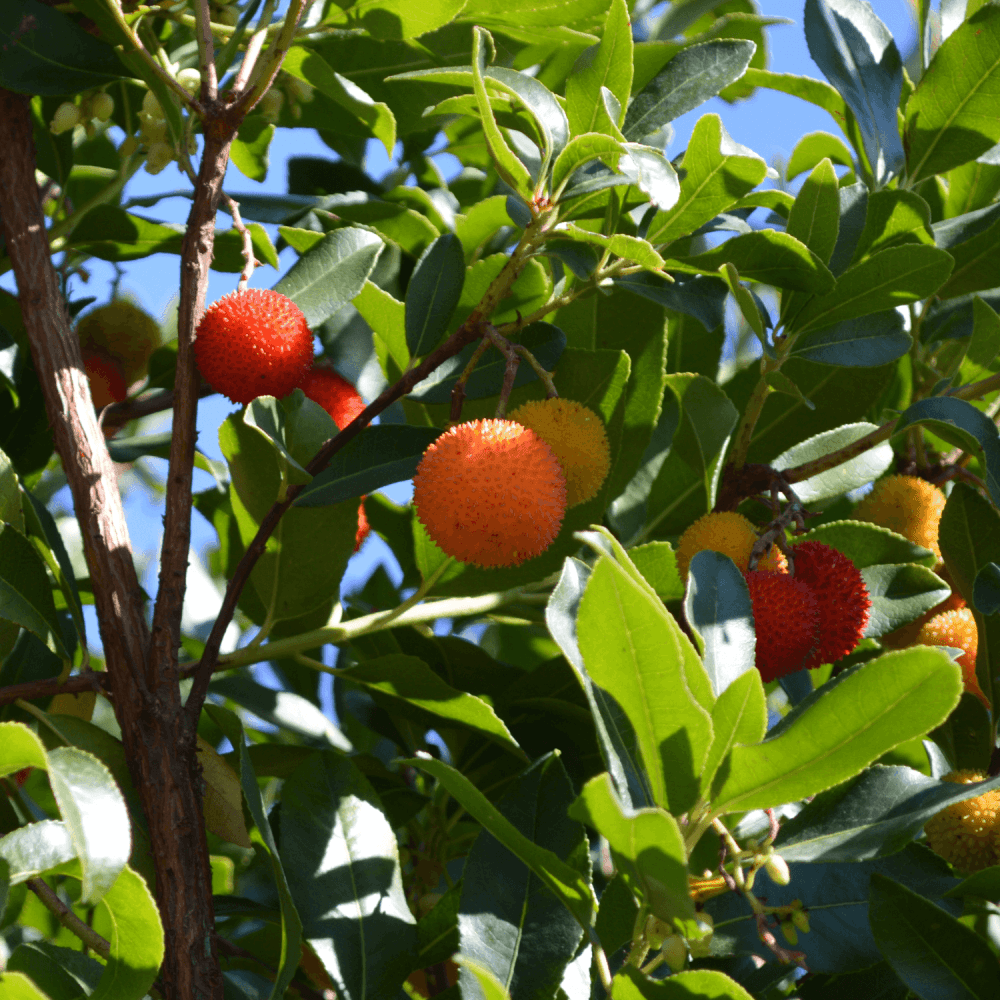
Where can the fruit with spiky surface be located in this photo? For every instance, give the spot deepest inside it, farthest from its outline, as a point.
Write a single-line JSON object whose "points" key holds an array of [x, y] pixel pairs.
{"points": [[123, 331], [576, 434], [906, 635], [842, 599], [908, 505], [341, 400], [107, 384], [731, 534], [490, 493], [254, 343], [956, 629], [966, 834], [786, 621]]}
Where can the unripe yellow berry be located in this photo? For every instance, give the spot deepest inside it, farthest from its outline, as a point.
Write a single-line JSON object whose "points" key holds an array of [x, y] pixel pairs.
{"points": [[731, 534], [777, 868], [123, 331], [576, 434], [67, 117], [102, 106], [967, 834], [190, 80], [910, 506]]}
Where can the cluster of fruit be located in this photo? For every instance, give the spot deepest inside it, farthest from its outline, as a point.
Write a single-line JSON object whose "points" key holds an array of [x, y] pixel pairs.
{"points": [[287, 90], [153, 131], [97, 106]]}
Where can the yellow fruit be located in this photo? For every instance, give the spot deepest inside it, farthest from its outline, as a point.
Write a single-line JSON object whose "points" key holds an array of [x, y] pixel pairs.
{"points": [[965, 834], [956, 629], [123, 331], [576, 434], [731, 534], [910, 506]]}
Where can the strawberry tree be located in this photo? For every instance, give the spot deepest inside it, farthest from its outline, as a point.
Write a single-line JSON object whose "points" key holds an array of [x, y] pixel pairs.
{"points": [[568, 775]]}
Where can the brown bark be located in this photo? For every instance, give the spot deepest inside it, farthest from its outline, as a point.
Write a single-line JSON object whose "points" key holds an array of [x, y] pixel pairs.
{"points": [[158, 737]]}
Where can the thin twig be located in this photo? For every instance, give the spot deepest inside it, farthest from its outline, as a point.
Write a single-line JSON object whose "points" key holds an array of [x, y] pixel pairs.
{"points": [[206, 53], [458, 390], [250, 262], [133, 409], [503, 345], [253, 47], [65, 915]]}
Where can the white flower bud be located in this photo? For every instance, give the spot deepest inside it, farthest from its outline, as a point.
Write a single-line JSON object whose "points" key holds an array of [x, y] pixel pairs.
{"points": [[102, 106], [190, 80], [151, 107], [152, 130], [67, 117], [158, 156], [675, 952], [777, 868]]}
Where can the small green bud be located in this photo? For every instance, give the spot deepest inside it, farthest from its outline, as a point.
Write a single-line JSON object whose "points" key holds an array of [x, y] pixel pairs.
{"points": [[790, 933], [158, 156], [675, 952], [151, 107], [102, 106], [271, 104], [777, 868], [190, 80], [801, 920], [67, 117]]}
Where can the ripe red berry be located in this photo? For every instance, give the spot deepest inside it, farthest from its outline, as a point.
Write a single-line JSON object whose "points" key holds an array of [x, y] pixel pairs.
{"points": [[786, 620], [253, 343], [842, 599], [363, 526], [107, 383], [334, 393]]}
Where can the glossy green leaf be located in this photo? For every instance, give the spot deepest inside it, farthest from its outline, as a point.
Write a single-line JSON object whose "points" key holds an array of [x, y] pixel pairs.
{"points": [[433, 293], [652, 173], [937, 956], [768, 256], [857, 54], [865, 714], [693, 984], [717, 607], [695, 74], [564, 881], [869, 544], [508, 920], [950, 117], [717, 171], [702, 298], [61, 973], [815, 217], [627, 247], [394, 20], [378, 456], [745, 300], [849, 475], [581, 150], [250, 147], [95, 815], [633, 648], [894, 217], [962, 424], [19, 748], [885, 280], [18, 986], [606, 65], [480, 222], [865, 342], [812, 148], [973, 240], [25, 591], [331, 273], [739, 715], [291, 922], [875, 814], [412, 231], [309, 66], [35, 849], [489, 987], [647, 846], [657, 562], [900, 593]]}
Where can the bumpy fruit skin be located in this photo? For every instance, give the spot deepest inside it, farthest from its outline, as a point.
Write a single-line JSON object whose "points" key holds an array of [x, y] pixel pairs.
{"points": [[786, 620], [123, 331], [842, 599], [910, 506], [576, 434], [107, 384], [254, 343], [966, 834], [957, 629], [490, 493], [333, 392], [731, 534], [906, 635]]}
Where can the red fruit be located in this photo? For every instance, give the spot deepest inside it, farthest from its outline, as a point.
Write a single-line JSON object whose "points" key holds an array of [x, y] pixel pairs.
{"points": [[786, 621], [107, 383], [841, 599], [253, 343], [335, 394], [363, 526]]}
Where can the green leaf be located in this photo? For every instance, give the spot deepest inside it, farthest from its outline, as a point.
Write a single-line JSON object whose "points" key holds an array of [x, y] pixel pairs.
{"points": [[480, 222], [412, 231], [606, 65], [95, 815], [768, 256], [695, 74], [490, 988], [291, 923], [387, 318], [717, 171], [894, 217], [937, 956], [960, 423], [433, 293], [738, 716], [857, 54], [35, 849], [748, 307], [950, 117], [508, 921], [900, 593], [565, 882], [815, 217], [718, 609], [331, 273], [657, 562], [814, 147], [250, 147], [877, 813], [407, 679], [45, 52], [869, 544], [694, 984], [628, 247], [378, 456], [19, 748], [25, 591], [887, 279], [394, 20], [647, 846], [333, 829], [306, 64], [841, 479], [973, 241], [633, 648], [61, 973], [865, 342], [883, 703], [18, 986], [699, 297]]}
